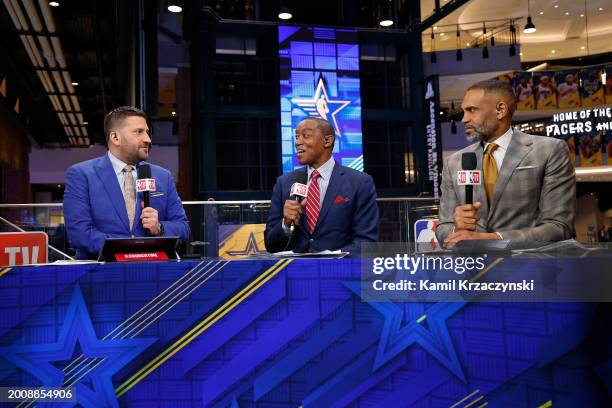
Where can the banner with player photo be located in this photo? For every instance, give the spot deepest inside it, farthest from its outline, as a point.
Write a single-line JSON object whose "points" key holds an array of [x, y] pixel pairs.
{"points": [[545, 90], [590, 149], [568, 89], [522, 83], [608, 84], [592, 88]]}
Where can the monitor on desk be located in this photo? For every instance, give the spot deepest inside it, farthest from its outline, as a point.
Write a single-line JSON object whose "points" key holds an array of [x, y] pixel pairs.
{"points": [[139, 249]]}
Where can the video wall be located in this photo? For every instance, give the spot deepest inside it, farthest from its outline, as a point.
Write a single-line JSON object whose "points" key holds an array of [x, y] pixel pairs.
{"points": [[319, 77]]}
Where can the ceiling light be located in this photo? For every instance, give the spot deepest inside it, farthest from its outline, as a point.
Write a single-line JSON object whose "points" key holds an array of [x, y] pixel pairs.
{"points": [[173, 8], [284, 13], [435, 27], [582, 48], [485, 52], [581, 15], [386, 22], [75, 84], [529, 27], [556, 6], [553, 51], [468, 44], [86, 123], [521, 54], [567, 13], [54, 4], [601, 9], [541, 13], [441, 34]]}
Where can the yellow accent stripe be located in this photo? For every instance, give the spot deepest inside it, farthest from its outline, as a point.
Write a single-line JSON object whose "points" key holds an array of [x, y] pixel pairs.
{"points": [[208, 274], [420, 319], [5, 271], [201, 327], [486, 270], [473, 402], [547, 404], [483, 405], [464, 399]]}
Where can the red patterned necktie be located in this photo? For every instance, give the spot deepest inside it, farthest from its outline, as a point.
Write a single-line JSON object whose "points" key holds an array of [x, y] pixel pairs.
{"points": [[313, 201]]}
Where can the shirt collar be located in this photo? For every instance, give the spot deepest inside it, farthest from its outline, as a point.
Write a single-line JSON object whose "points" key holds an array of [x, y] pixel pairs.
{"points": [[325, 170], [503, 141], [118, 165]]}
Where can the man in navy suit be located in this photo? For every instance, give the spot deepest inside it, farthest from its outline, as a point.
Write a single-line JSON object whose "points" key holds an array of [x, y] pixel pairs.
{"points": [[340, 211], [100, 200]]}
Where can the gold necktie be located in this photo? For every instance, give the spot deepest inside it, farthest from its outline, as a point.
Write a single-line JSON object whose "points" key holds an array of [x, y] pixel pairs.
{"points": [[489, 168], [129, 193]]}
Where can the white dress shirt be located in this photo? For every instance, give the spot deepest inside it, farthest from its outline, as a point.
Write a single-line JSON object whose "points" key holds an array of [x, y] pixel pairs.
{"points": [[502, 142]]}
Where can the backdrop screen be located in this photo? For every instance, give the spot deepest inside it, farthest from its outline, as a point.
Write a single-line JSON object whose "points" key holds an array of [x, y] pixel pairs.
{"points": [[319, 76]]}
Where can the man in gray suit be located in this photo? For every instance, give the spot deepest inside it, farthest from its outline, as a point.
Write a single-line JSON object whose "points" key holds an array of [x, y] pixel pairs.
{"points": [[529, 191]]}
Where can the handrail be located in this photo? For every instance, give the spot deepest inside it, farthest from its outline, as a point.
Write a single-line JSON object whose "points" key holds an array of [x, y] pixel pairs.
{"points": [[246, 202], [22, 230]]}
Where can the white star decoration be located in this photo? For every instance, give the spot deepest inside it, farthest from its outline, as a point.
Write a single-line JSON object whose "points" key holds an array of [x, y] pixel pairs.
{"points": [[319, 105]]}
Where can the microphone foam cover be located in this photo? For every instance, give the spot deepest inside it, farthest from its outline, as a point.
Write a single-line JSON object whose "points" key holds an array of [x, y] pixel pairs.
{"points": [[468, 161], [301, 177], [144, 171]]}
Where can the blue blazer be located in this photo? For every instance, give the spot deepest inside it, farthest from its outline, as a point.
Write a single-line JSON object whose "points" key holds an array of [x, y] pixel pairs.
{"points": [[348, 216], [94, 207]]}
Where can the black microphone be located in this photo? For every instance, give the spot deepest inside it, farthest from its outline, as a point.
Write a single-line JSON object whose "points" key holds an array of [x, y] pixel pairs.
{"points": [[299, 190], [469, 177], [145, 183]]}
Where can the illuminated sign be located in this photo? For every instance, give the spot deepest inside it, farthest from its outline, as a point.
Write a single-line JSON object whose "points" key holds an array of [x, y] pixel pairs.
{"points": [[319, 77]]}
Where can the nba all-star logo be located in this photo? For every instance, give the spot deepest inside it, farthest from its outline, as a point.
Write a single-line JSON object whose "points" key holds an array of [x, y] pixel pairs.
{"points": [[321, 106]]}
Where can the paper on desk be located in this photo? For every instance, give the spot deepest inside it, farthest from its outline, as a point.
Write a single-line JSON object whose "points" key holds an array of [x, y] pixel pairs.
{"points": [[321, 254]]}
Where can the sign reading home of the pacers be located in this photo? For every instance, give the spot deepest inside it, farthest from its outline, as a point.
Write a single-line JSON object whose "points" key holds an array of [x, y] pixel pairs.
{"points": [[581, 121], [319, 77], [434, 154]]}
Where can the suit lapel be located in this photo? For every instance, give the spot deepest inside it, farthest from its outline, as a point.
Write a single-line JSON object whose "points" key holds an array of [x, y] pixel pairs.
{"points": [[108, 179], [517, 150], [335, 181], [479, 190]]}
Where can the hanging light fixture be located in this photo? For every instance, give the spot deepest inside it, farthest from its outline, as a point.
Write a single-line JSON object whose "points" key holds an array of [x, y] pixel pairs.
{"points": [[285, 13], [433, 56], [386, 20], [529, 27], [512, 50], [459, 55], [485, 50]]}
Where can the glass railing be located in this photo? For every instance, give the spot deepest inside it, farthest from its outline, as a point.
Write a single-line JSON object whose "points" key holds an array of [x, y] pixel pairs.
{"points": [[218, 227]]}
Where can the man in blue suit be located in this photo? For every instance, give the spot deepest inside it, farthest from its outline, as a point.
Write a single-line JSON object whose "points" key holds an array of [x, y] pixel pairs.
{"points": [[100, 200], [340, 211]]}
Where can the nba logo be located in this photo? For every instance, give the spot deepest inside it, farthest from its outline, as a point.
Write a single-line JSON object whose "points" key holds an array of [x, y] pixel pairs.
{"points": [[425, 234], [475, 177], [462, 177]]}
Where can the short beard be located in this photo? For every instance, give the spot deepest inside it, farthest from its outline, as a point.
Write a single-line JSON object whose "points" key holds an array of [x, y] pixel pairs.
{"points": [[475, 137]]}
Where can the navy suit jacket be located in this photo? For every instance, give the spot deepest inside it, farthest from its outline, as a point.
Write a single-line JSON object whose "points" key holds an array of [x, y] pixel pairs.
{"points": [[94, 207], [348, 216]]}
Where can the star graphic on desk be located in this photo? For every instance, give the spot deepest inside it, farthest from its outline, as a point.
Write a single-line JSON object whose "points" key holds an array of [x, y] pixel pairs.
{"points": [[37, 359], [394, 338], [250, 248], [320, 105]]}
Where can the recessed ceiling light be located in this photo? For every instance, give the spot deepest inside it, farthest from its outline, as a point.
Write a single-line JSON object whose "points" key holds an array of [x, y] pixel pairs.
{"points": [[468, 44], [601, 9], [541, 13], [284, 13], [581, 15], [173, 8], [567, 13], [54, 4], [553, 51], [582, 48], [521, 54], [75, 84], [386, 23], [556, 6], [441, 34], [173, 113], [86, 123]]}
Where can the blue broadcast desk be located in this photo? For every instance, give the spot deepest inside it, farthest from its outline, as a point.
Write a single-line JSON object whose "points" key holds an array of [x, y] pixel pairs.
{"points": [[287, 333]]}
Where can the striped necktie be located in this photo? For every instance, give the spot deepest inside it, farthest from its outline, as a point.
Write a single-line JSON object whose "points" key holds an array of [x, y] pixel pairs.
{"points": [[313, 203], [129, 193]]}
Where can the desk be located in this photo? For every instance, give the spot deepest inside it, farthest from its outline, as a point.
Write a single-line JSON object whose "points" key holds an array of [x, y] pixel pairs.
{"points": [[284, 334]]}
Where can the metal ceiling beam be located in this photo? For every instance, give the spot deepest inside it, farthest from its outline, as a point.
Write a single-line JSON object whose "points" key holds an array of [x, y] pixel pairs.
{"points": [[441, 12]]}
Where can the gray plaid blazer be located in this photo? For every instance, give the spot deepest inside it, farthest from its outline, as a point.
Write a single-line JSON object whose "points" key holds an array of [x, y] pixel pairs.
{"points": [[534, 201]]}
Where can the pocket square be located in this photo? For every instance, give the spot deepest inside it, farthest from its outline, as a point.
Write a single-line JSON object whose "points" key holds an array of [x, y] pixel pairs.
{"points": [[157, 194], [526, 167], [340, 200]]}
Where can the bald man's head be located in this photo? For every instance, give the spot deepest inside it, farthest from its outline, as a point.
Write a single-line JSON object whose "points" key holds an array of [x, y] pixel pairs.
{"points": [[501, 90]]}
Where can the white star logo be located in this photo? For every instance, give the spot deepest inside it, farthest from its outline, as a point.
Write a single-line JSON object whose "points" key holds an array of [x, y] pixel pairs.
{"points": [[320, 105]]}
